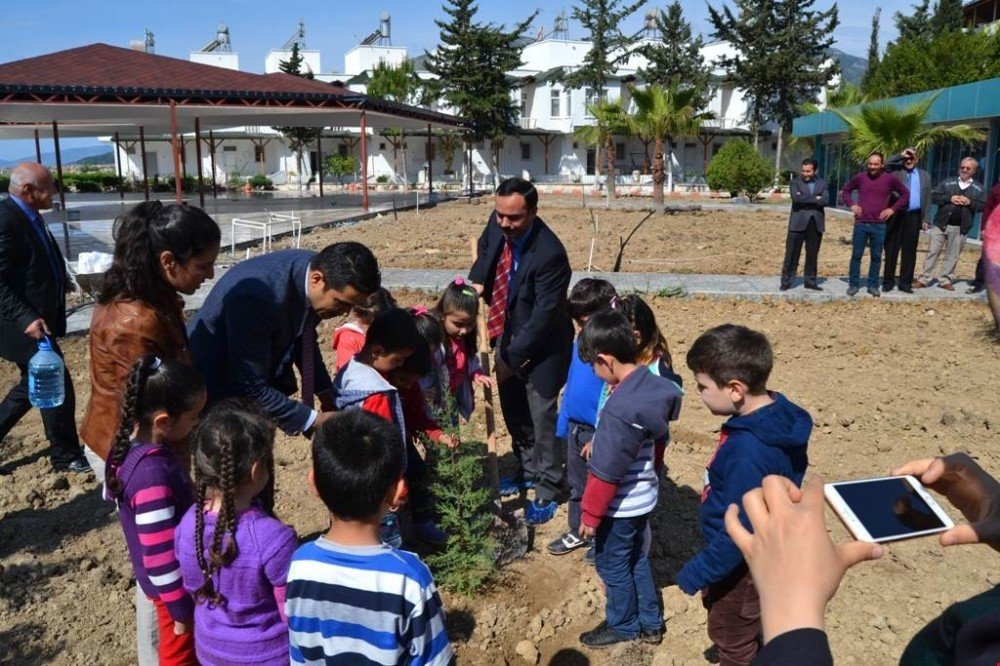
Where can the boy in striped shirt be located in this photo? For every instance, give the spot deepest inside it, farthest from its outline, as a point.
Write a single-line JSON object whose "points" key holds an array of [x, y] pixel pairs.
{"points": [[350, 598], [623, 484]]}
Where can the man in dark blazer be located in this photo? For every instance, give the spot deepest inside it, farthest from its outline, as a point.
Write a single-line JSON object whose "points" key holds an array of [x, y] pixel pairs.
{"points": [[523, 273], [806, 223], [260, 319], [33, 286], [903, 233]]}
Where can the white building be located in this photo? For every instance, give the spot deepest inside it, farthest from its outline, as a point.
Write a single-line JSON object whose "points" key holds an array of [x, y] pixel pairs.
{"points": [[544, 148]]}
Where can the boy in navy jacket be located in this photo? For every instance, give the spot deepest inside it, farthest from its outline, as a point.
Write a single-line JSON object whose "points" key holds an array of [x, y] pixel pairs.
{"points": [[765, 434], [623, 484]]}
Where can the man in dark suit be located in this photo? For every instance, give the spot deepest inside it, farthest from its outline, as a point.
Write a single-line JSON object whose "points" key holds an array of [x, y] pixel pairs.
{"points": [[903, 234], [523, 273], [260, 319], [806, 223], [33, 286]]}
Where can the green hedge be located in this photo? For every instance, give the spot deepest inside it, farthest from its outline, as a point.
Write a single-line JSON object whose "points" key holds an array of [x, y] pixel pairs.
{"points": [[259, 182], [739, 169]]}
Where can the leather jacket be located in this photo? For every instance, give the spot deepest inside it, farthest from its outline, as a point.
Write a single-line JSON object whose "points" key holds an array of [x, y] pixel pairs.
{"points": [[121, 332]]}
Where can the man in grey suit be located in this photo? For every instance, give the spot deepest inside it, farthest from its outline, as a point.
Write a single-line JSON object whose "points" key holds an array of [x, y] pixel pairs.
{"points": [[903, 233], [806, 223]]}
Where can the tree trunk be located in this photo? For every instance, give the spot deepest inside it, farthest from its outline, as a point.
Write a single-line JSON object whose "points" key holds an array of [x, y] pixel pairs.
{"points": [[611, 167], [670, 164], [777, 156], [658, 175]]}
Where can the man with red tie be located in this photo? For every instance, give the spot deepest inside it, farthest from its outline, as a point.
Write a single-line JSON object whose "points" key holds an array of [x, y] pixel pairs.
{"points": [[523, 274]]}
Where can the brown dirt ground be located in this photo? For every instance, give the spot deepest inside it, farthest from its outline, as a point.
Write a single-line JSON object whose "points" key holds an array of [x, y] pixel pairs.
{"points": [[885, 382], [736, 242]]}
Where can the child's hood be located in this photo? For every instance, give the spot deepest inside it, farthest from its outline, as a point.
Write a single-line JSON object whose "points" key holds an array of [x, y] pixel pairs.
{"points": [[782, 424], [356, 381], [646, 400]]}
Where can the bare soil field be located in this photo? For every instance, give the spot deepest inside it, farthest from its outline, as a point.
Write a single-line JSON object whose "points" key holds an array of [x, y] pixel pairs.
{"points": [[740, 241], [885, 382]]}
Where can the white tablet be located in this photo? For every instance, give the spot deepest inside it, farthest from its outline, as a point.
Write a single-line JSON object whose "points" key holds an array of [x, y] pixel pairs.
{"points": [[887, 508]]}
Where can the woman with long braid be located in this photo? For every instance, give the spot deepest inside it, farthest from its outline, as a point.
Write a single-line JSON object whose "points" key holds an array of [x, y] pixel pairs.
{"points": [[152, 489], [234, 555]]}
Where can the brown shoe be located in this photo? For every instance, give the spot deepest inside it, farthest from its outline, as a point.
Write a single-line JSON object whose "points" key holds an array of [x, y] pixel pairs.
{"points": [[917, 284], [948, 286]]}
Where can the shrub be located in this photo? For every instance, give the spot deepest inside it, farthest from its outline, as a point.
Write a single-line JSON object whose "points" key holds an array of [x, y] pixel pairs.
{"points": [[739, 169], [259, 182], [341, 166], [88, 186], [382, 179], [4, 183]]}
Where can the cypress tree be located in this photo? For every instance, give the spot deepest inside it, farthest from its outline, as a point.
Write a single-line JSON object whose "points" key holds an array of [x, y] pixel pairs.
{"points": [[609, 46], [948, 17], [677, 58], [916, 25], [873, 53]]}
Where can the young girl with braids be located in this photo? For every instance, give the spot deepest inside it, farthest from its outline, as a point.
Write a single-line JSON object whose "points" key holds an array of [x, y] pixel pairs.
{"points": [[152, 489], [234, 555], [457, 310]]}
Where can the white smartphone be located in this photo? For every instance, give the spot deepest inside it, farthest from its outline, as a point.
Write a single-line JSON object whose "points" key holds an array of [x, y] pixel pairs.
{"points": [[887, 508]]}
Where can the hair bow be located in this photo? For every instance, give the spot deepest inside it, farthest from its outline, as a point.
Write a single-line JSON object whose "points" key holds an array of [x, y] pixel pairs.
{"points": [[459, 280], [419, 311]]}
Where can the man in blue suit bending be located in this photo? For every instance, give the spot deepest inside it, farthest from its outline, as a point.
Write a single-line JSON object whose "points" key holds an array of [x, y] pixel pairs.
{"points": [[261, 318]]}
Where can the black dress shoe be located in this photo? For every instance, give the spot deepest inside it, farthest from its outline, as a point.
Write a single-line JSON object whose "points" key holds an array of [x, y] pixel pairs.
{"points": [[785, 287], [651, 636], [974, 289], [5, 471], [603, 636], [77, 466], [888, 286], [813, 286]]}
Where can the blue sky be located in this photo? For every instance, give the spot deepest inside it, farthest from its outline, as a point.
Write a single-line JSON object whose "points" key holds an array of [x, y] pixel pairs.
{"points": [[332, 27]]}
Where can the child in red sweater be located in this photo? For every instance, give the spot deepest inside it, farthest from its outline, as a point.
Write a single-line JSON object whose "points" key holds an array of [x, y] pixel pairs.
{"points": [[349, 339]]}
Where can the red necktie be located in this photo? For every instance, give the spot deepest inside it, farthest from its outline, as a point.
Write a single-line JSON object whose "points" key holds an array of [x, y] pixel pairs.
{"points": [[308, 369], [501, 287]]}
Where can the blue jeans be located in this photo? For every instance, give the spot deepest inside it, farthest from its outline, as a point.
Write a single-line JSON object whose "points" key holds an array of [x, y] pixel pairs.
{"points": [[632, 599], [576, 471], [865, 233]]}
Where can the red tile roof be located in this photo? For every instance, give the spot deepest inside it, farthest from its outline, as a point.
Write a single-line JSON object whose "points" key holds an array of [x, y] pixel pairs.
{"points": [[104, 67]]}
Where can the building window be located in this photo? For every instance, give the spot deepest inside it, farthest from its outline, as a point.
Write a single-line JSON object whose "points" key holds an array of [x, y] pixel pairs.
{"points": [[342, 150], [525, 150], [381, 146], [556, 97], [258, 153], [229, 149], [591, 98], [620, 149], [524, 106]]}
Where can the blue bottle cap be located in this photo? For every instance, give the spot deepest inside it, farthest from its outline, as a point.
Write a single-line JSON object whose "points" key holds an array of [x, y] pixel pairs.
{"points": [[45, 344]]}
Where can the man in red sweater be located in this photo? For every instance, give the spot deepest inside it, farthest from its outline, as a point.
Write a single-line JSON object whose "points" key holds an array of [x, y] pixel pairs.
{"points": [[874, 207], [992, 200]]}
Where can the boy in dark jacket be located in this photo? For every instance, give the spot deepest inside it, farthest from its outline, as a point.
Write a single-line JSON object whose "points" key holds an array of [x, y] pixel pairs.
{"points": [[765, 434], [622, 488]]}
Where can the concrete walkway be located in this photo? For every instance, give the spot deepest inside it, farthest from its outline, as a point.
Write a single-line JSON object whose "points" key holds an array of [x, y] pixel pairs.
{"points": [[753, 287]]}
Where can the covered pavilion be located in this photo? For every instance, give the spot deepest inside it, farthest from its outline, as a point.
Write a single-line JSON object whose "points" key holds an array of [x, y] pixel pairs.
{"points": [[102, 90]]}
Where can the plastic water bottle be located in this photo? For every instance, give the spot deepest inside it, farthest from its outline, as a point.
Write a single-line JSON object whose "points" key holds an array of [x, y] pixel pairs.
{"points": [[46, 374]]}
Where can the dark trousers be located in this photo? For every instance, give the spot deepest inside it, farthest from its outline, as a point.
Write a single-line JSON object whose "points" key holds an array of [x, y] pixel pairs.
{"points": [[866, 233], [531, 421], [417, 479], [59, 422], [579, 435], [793, 249], [733, 617], [632, 598], [901, 239]]}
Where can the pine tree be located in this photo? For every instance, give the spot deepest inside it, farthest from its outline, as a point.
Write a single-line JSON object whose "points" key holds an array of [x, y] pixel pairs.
{"points": [[915, 25], [677, 59], [471, 64], [873, 52], [297, 137], [948, 17], [609, 46]]}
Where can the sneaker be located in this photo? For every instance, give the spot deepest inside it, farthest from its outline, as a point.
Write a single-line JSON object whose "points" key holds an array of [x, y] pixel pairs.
{"points": [[388, 530], [428, 532], [78, 466], [539, 512], [851, 291], [603, 636], [511, 486], [974, 289], [566, 543], [591, 556], [874, 292], [651, 636]]}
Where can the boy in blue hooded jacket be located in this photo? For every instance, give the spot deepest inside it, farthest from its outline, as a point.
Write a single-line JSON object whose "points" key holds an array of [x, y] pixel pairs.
{"points": [[765, 434]]}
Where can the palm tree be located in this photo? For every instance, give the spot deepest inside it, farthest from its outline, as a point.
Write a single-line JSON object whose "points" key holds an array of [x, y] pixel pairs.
{"points": [[843, 96], [886, 128], [663, 114], [610, 119]]}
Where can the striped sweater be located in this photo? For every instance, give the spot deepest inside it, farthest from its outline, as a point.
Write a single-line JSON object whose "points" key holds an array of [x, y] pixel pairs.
{"points": [[363, 605], [156, 494]]}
